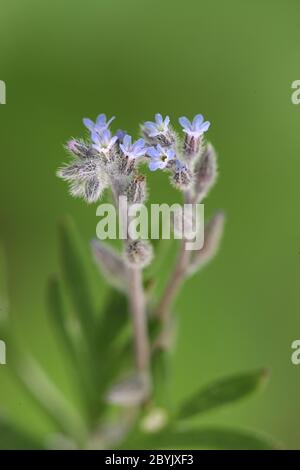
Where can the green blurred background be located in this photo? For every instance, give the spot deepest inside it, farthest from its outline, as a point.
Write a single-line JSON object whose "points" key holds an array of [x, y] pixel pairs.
{"points": [[234, 61]]}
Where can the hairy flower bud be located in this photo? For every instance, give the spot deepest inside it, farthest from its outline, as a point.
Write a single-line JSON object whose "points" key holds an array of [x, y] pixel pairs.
{"points": [[92, 190], [205, 173], [132, 391], [182, 177], [110, 264], [138, 253], [192, 145], [79, 148], [136, 190], [212, 237]]}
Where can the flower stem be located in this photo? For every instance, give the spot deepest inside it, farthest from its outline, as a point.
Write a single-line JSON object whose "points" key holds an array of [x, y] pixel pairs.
{"points": [[176, 279], [139, 320]]}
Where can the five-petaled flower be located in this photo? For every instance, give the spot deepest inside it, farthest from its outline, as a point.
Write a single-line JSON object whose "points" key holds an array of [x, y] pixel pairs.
{"points": [[133, 150], [103, 142], [160, 126], [196, 127], [100, 125], [160, 157]]}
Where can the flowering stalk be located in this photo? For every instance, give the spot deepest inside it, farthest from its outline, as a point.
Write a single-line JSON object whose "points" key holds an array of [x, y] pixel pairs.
{"points": [[113, 161]]}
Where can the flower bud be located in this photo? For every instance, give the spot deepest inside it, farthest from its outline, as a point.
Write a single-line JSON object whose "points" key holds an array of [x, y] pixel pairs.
{"points": [[136, 191], [212, 237], [182, 177], [205, 173], [192, 145], [92, 190], [110, 264], [132, 391], [79, 148], [138, 253]]}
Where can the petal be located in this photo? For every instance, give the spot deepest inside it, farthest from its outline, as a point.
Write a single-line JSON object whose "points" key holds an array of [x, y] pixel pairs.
{"points": [[139, 143], [95, 137], [152, 152], [88, 123], [170, 154], [205, 126], [113, 140], [154, 165], [158, 119], [185, 123], [127, 141], [166, 121], [150, 128], [105, 136], [197, 121], [101, 120]]}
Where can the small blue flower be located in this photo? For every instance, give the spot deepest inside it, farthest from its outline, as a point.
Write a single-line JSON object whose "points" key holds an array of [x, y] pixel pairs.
{"points": [[133, 150], [103, 142], [160, 157], [160, 126], [195, 128], [100, 124]]}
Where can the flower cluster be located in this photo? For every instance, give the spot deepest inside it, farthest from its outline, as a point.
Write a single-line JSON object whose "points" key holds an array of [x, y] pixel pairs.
{"points": [[110, 159]]}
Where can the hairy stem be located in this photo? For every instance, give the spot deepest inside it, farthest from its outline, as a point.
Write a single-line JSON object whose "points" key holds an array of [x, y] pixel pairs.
{"points": [[176, 279], [137, 308], [174, 283], [139, 319]]}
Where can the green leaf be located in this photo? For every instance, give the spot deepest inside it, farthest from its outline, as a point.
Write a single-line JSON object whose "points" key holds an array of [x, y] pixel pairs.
{"points": [[210, 437], [161, 373], [114, 318], [75, 275], [223, 392], [59, 314], [110, 351]]}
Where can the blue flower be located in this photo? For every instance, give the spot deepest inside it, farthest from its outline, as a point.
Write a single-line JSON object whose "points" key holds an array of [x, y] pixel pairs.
{"points": [[103, 142], [195, 128], [160, 126], [160, 157], [133, 150], [100, 124]]}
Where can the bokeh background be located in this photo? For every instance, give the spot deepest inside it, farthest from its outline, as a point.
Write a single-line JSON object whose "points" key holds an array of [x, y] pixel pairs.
{"points": [[234, 62]]}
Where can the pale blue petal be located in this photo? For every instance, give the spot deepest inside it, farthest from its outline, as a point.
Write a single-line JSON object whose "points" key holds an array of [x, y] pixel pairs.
{"points": [[170, 154], [158, 119], [153, 152], [197, 121], [101, 120], [127, 141], [88, 123], [139, 143], [150, 128], [154, 165], [185, 123], [113, 140], [105, 135], [167, 121], [95, 137], [205, 126]]}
